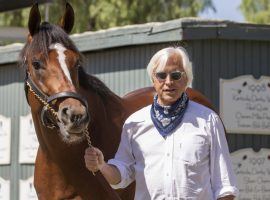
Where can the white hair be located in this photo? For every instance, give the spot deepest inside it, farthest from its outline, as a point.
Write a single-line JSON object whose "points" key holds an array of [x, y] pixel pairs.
{"points": [[159, 60]]}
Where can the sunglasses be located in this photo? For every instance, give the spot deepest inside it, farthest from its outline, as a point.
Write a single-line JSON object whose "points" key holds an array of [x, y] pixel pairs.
{"points": [[175, 76]]}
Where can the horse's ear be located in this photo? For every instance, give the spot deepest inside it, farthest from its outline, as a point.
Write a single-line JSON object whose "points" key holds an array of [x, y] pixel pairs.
{"points": [[67, 21], [34, 19]]}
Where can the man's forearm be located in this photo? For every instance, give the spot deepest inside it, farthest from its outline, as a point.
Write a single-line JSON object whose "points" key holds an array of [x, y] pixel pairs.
{"points": [[111, 173]]}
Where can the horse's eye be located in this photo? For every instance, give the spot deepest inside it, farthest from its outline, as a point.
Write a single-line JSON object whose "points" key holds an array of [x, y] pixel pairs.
{"points": [[78, 65], [36, 64]]}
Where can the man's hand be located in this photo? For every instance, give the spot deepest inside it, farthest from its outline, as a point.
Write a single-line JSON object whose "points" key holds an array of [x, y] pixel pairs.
{"points": [[94, 159]]}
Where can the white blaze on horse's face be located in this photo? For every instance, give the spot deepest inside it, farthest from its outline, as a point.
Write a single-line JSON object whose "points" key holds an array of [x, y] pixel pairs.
{"points": [[60, 49]]}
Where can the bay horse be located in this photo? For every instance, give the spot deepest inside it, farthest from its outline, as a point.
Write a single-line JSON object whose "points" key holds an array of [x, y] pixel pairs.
{"points": [[67, 104]]}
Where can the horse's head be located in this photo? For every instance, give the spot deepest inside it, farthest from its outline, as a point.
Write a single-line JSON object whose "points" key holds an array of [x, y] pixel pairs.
{"points": [[52, 62]]}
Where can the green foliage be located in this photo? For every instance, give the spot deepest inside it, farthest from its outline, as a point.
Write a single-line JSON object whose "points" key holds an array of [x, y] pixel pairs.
{"points": [[110, 13], [15, 18], [257, 11], [103, 14]]}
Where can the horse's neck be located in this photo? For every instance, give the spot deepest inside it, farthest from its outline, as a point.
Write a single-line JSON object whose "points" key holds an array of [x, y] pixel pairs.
{"points": [[138, 99], [106, 119]]}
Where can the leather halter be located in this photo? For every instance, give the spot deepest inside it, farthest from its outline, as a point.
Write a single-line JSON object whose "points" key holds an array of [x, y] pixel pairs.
{"points": [[46, 117]]}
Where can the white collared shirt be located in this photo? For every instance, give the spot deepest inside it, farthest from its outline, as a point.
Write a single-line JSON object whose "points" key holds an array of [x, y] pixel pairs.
{"points": [[191, 163]]}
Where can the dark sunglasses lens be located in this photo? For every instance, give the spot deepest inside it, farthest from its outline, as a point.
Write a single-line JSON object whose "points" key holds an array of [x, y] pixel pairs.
{"points": [[176, 76], [161, 75]]}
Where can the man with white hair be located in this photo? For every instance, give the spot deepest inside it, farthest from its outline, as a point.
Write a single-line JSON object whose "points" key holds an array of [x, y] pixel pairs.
{"points": [[174, 148]]}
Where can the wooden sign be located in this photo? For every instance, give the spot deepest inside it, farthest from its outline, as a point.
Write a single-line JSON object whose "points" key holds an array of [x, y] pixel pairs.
{"points": [[4, 189], [27, 190], [245, 105], [253, 173], [5, 134], [28, 140]]}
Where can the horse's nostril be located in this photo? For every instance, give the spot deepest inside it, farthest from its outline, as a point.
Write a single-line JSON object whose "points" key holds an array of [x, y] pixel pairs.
{"points": [[65, 114], [76, 118], [65, 111]]}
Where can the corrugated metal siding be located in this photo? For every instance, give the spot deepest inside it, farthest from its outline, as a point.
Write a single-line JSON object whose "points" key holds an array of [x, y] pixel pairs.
{"points": [[13, 105], [226, 59]]}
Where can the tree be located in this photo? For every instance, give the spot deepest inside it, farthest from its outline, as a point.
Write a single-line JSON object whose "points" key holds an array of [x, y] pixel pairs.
{"points": [[103, 14], [256, 11], [110, 13]]}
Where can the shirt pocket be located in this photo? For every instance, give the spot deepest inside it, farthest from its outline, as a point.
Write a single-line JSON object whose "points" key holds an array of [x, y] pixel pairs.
{"points": [[193, 149]]}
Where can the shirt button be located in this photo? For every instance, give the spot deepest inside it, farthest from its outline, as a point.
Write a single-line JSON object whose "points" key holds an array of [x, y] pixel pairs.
{"points": [[167, 174], [168, 154]]}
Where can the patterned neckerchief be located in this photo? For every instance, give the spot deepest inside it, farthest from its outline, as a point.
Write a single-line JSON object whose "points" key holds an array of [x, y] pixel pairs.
{"points": [[167, 118]]}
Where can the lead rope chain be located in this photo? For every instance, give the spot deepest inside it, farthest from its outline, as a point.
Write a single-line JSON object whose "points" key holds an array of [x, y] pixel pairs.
{"points": [[47, 105], [87, 135], [55, 115]]}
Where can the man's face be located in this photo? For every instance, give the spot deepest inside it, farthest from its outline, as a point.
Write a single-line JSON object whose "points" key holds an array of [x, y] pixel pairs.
{"points": [[170, 88]]}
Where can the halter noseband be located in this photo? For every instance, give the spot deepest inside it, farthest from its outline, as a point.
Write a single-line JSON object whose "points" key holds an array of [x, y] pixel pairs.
{"points": [[47, 101]]}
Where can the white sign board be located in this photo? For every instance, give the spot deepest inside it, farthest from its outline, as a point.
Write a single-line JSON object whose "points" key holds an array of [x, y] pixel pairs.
{"points": [[4, 189], [5, 134], [253, 173], [27, 190], [28, 140], [245, 105]]}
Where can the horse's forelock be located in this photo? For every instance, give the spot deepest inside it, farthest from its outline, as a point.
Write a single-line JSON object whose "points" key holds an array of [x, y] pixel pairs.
{"points": [[48, 34]]}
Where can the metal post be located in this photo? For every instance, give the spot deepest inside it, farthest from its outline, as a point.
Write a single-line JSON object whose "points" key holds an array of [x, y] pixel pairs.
{"points": [[47, 8]]}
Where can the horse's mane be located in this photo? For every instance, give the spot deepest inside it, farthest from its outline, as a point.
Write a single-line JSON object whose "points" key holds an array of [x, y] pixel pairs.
{"points": [[49, 34], [88, 81]]}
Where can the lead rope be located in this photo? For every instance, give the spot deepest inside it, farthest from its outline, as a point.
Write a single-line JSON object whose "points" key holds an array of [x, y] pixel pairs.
{"points": [[87, 135]]}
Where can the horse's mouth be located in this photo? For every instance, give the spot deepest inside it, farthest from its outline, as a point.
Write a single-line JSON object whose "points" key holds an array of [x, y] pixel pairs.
{"points": [[72, 134], [77, 130]]}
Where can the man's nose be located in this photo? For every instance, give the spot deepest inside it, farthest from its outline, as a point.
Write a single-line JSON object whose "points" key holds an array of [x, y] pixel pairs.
{"points": [[168, 79]]}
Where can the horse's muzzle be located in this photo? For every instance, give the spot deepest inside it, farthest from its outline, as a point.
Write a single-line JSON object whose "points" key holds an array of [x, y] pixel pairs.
{"points": [[74, 118]]}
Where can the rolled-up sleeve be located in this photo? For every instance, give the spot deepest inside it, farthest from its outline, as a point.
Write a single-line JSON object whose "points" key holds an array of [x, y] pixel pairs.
{"points": [[223, 179], [124, 159]]}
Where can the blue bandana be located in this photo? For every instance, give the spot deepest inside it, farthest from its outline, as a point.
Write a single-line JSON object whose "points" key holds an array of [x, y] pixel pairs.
{"points": [[167, 118]]}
